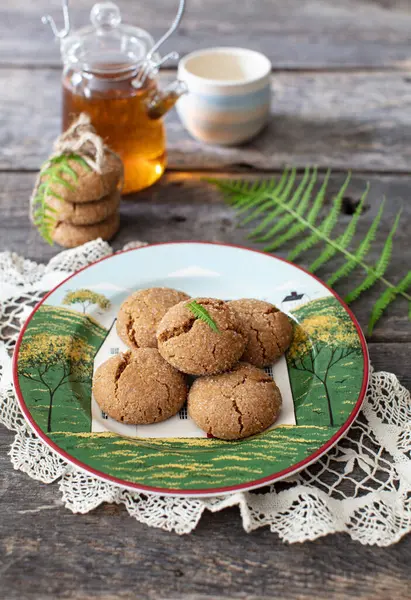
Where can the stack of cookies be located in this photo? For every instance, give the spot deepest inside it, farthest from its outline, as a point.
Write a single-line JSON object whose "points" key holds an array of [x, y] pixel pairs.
{"points": [[90, 209], [76, 196], [170, 336]]}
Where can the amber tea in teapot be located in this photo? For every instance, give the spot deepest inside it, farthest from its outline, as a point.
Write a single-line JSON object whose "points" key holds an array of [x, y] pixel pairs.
{"points": [[118, 111], [110, 73]]}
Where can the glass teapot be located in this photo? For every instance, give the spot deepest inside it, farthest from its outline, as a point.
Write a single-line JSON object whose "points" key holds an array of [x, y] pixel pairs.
{"points": [[110, 73]]}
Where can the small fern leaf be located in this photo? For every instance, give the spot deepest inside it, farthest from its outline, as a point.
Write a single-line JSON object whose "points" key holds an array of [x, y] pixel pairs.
{"points": [[383, 301], [319, 200], [287, 219], [344, 240], [71, 172], [387, 249], [386, 299], [331, 219], [375, 274], [366, 284], [303, 246], [47, 172], [80, 160], [53, 194], [362, 251], [297, 227], [201, 313], [276, 203], [55, 178]]}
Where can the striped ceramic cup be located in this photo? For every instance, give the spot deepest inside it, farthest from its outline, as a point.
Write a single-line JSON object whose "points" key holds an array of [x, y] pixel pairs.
{"points": [[228, 99]]}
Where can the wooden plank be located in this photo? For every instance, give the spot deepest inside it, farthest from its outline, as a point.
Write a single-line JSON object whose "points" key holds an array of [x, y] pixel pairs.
{"points": [[346, 121], [182, 207], [47, 552], [294, 34]]}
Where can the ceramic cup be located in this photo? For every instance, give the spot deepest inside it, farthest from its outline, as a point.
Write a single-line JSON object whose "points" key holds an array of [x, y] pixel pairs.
{"points": [[228, 99]]}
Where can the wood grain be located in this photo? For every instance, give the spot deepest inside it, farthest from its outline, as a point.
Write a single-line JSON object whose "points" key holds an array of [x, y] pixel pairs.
{"points": [[314, 34], [46, 552], [356, 121], [342, 99], [183, 207]]}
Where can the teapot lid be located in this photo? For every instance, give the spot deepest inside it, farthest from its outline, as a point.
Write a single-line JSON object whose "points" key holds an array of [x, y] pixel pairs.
{"points": [[107, 45]]}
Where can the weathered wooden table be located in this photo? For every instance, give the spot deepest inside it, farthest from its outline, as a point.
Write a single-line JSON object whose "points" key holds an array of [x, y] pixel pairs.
{"points": [[342, 99]]}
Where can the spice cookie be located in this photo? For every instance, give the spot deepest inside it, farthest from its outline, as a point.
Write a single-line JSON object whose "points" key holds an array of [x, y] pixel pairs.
{"points": [[140, 314], [235, 405], [71, 236], [139, 387], [269, 331], [192, 346], [88, 213]]}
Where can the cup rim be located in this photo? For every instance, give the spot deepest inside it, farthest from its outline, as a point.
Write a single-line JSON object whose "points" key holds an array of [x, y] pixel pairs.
{"points": [[234, 50]]}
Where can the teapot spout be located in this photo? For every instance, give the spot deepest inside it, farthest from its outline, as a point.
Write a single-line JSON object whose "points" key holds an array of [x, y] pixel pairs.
{"points": [[159, 103]]}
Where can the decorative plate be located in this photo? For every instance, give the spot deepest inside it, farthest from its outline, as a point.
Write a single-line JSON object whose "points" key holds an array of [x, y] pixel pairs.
{"points": [[323, 377]]}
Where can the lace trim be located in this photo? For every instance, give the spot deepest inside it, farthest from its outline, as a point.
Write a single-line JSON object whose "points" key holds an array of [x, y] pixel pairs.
{"points": [[361, 487]]}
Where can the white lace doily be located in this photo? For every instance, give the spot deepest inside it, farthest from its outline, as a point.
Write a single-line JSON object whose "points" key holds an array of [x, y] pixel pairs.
{"points": [[361, 487]]}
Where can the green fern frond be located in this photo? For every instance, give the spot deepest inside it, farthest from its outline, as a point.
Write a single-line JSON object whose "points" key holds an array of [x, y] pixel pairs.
{"points": [[386, 299], [281, 207], [201, 313], [44, 215], [378, 271]]}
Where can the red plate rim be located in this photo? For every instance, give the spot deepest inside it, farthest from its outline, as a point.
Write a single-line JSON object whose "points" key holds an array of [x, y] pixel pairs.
{"points": [[196, 492]]}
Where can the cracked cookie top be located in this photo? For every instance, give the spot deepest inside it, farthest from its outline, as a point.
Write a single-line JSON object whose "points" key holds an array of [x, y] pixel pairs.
{"points": [[141, 312], [235, 405], [269, 331], [190, 345], [139, 387]]}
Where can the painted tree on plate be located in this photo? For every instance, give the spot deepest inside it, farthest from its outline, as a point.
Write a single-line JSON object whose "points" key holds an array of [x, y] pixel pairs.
{"points": [[86, 298], [321, 348], [54, 361]]}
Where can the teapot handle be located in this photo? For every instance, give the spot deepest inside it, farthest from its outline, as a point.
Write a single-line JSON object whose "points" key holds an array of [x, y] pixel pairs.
{"points": [[170, 31], [48, 19]]}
